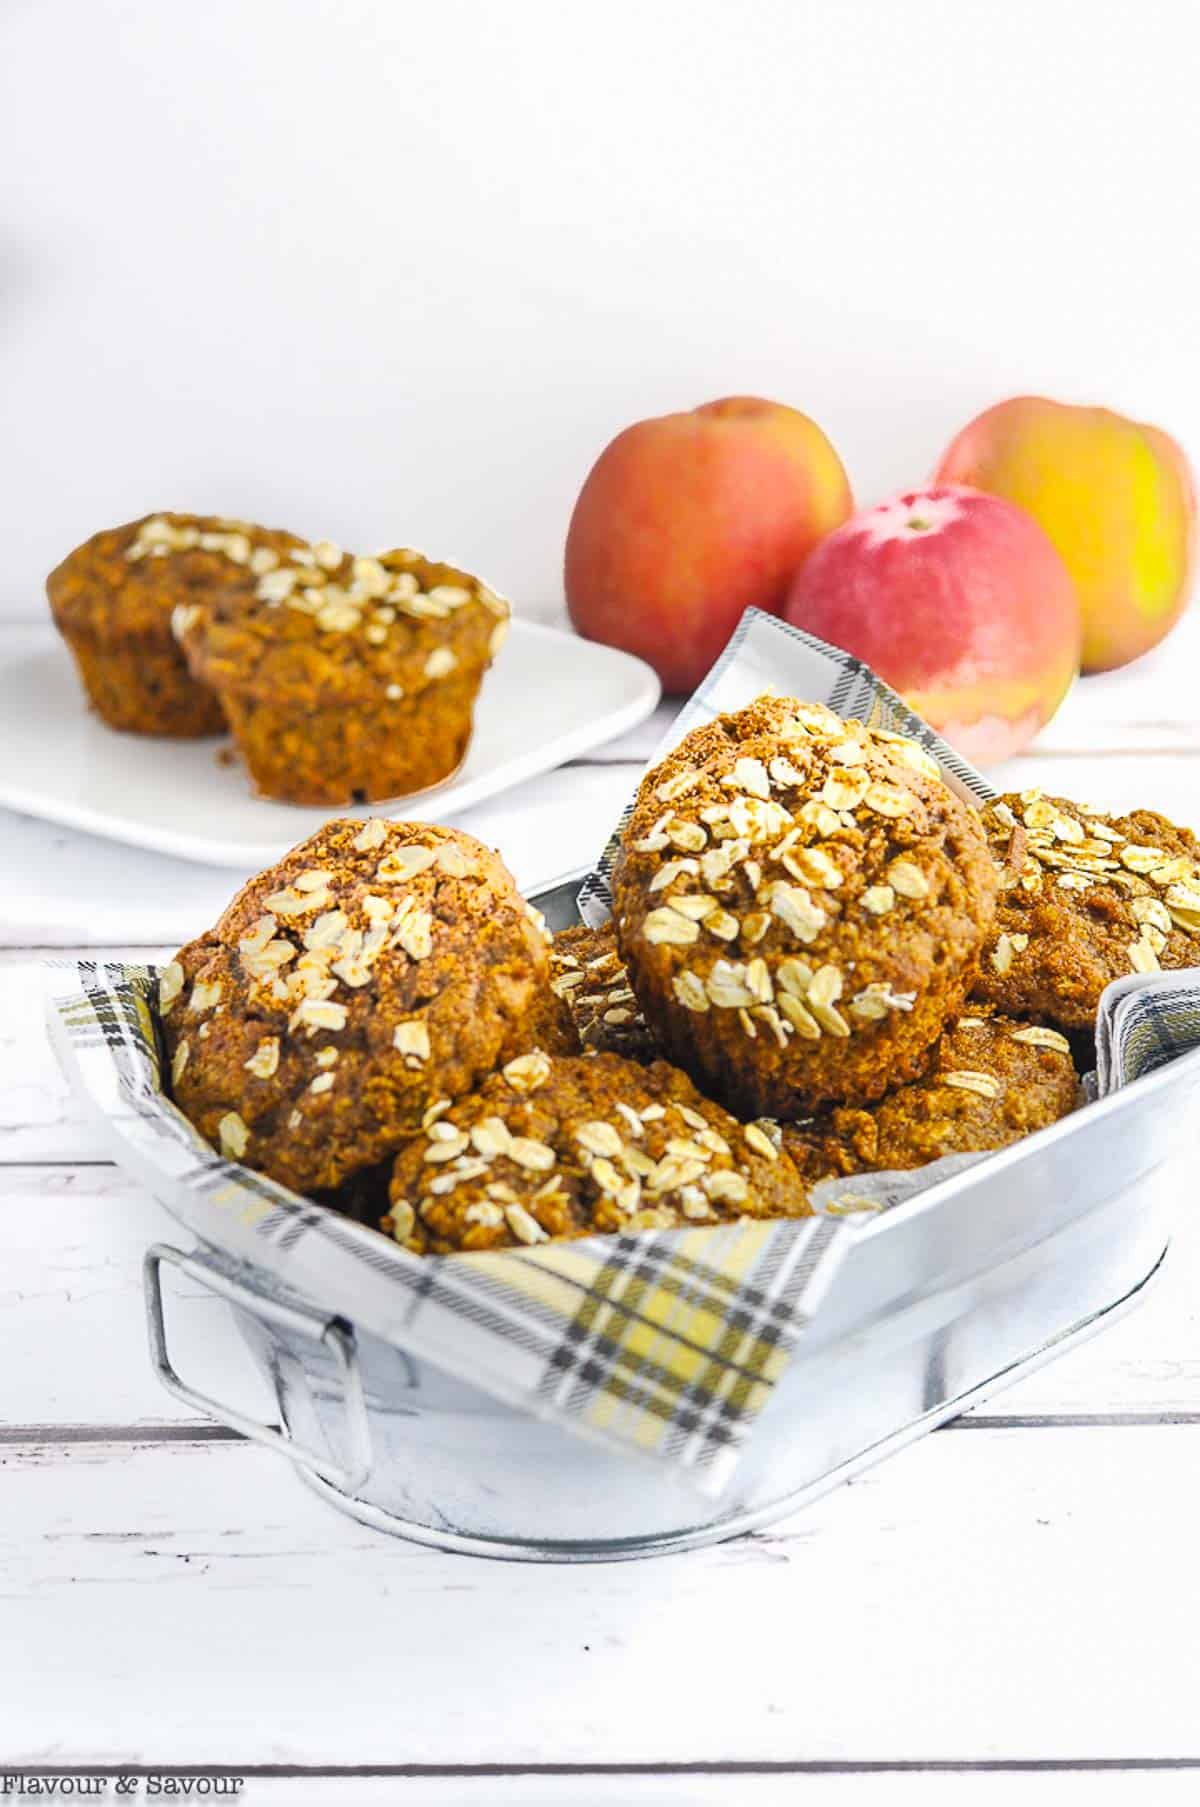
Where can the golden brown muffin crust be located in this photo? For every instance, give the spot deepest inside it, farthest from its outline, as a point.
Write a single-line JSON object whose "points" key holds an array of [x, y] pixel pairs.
{"points": [[992, 1081], [1085, 898], [589, 976], [800, 902], [325, 627], [125, 583], [113, 600], [378, 968], [348, 678], [572, 1147], [551, 1025]]}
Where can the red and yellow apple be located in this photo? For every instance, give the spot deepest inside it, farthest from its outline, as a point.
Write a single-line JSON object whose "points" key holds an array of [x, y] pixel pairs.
{"points": [[1117, 498], [688, 519], [960, 602]]}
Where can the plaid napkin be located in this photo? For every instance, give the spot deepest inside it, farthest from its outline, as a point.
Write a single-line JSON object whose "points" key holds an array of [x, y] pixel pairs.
{"points": [[766, 654], [668, 1342]]}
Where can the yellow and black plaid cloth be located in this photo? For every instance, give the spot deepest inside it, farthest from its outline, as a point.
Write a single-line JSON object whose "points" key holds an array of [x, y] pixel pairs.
{"points": [[667, 1342]]}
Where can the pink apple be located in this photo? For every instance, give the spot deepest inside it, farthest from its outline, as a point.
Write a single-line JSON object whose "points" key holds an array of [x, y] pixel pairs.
{"points": [[960, 602]]}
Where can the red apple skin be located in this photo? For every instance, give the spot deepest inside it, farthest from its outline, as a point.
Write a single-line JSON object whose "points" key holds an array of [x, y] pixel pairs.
{"points": [[960, 602], [688, 519]]}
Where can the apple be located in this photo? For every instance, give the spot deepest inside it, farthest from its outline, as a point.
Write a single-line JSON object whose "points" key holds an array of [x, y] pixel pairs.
{"points": [[1117, 498], [960, 602], [688, 519]]}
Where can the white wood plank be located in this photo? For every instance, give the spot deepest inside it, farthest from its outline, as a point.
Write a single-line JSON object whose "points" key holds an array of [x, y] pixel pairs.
{"points": [[71, 1247], [39, 1120], [73, 1348], [980, 1596]]}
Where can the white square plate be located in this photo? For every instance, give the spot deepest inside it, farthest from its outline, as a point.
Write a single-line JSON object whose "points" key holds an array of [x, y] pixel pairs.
{"points": [[549, 697]]}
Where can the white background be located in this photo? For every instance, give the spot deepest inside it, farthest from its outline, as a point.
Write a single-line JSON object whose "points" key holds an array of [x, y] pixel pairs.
{"points": [[396, 272]]}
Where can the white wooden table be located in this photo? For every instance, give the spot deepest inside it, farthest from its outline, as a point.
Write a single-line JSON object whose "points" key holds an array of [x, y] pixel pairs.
{"points": [[1011, 1605]]}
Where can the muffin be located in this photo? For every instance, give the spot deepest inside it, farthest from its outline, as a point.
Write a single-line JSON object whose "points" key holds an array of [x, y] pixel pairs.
{"points": [[113, 599], [572, 1147], [1085, 898], [800, 902], [347, 679], [378, 970], [588, 975], [992, 1081], [551, 1024]]}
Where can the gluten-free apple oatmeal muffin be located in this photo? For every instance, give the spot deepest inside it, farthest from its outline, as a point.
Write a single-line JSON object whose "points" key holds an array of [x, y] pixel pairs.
{"points": [[800, 902], [589, 976], [1085, 898], [992, 1080], [574, 1147], [348, 679], [378, 969], [113, 599]]}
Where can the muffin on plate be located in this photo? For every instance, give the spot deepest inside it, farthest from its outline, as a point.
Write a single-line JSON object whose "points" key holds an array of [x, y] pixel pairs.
{"points": [[113, 599], [589, 976], [1085, 898], [347, 679], [573, 1147], [378, 969], [801, 902], [992, 1081]]}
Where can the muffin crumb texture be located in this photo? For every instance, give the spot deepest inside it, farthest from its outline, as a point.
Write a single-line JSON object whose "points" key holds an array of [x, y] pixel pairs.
{"points": [[589, 977]]}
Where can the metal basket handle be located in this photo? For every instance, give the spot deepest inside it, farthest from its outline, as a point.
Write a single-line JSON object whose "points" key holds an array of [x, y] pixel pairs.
{"points": [[334, 1333]]}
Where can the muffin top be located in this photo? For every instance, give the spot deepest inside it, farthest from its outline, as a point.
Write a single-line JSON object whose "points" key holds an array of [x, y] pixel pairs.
{"points": [[128, 581], [799, 900], [379, 969], [589, 976], [1085, 898], [992, 1080], [325, 627], [580, 1145]]}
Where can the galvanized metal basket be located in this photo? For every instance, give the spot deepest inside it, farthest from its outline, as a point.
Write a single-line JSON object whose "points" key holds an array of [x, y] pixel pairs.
{"points": [[939, 1303]]}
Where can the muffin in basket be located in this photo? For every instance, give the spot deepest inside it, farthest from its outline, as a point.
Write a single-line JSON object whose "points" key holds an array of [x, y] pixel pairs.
{"points": [[572, 1147], [377, 972], [589, 977], [347, 679], [1085, 898], [801, 902], [113, 599], [991, 1081]]}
